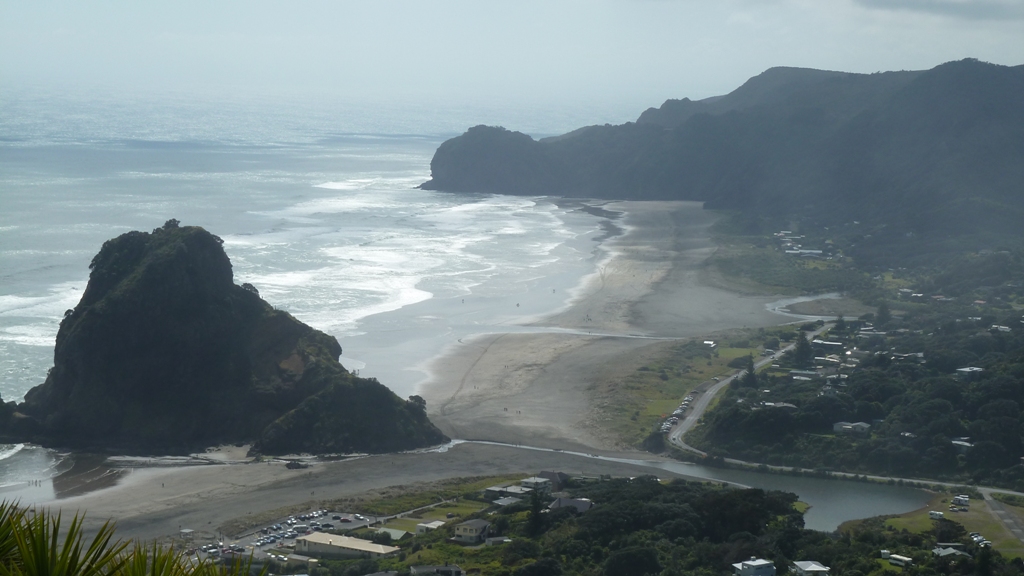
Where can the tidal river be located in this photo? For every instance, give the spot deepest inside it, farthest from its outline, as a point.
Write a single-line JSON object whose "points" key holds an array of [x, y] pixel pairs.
{"points": [[832, 502]]}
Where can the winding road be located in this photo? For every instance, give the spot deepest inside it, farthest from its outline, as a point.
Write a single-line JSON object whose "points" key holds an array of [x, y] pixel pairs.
{"points": [[702, 402]]}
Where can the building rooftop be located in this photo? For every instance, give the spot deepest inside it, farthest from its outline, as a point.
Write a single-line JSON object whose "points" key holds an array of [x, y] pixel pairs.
{"points": [[348, 542], [811, 566], [475, 523], [753, 562]]}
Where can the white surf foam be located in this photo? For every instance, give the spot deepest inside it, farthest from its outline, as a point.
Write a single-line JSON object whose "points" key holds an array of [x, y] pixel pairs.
{"points": [[8, 450]]}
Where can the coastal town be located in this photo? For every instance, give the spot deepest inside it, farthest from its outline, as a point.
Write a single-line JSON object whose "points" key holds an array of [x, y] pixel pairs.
{"points": [[300, 543]]}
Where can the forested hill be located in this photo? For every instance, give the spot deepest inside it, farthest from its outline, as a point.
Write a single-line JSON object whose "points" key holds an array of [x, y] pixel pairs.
{"points": [[934, 153]]}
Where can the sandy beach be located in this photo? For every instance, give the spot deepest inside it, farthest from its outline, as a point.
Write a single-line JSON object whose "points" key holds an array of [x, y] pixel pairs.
{"points": [[536, 388], [531, 385]]}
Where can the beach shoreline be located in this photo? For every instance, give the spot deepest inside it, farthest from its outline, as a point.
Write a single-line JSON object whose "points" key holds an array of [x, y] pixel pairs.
{"points": [[539, 388], [531, 383]]}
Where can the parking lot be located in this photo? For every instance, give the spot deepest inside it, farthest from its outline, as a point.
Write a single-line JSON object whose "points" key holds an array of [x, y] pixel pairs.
{"points": [[275, 540]]}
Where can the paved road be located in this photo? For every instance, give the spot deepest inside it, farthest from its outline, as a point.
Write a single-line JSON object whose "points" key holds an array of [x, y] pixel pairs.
{"points": [[1009, 519], [701, 404]]}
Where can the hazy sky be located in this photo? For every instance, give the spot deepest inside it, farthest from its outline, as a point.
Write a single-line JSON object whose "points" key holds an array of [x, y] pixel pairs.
{"points": [[636, 53]]}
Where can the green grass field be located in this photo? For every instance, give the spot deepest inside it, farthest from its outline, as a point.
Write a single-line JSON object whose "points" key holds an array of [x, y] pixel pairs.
{"points": [[979, 519], [460, 510], [643, 394], [402, 501]]}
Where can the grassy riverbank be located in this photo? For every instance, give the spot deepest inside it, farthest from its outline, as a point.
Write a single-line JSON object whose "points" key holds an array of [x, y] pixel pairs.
{"points": [[633, 403], [979, 518]]}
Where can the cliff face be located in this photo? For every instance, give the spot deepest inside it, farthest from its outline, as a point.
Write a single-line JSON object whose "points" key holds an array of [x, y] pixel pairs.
{"points": [[164, 353], [934, 153]]}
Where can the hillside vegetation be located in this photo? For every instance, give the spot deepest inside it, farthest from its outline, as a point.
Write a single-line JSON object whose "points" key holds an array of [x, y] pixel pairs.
{"points": [[924, 156]]}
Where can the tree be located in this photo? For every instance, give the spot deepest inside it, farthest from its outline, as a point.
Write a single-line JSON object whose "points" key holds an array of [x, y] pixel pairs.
{"points": [[535, 524], [749, 379], [633, 561], [840, 324], [419, 402], [803, 355], [883, 316], [542, 567]]}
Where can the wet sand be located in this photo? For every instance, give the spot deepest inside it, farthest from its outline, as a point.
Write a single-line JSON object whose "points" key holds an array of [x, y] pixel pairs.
{"points": [[537, 388], [532, 385]]}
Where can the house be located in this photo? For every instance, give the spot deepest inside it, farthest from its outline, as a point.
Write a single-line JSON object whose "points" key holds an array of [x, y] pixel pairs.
{"points": [[559, 480], [947, 551], [322, 545], [537, 484], [807, 373], [754, 567], [969, 373], [507, 501], [826, 343], [446, 570], [472, 531], [494, 492], [297, 560], [424, 527], [962, 446], [504, 490], [580, 504], [851, 427], [810, 568], [897, 560]]}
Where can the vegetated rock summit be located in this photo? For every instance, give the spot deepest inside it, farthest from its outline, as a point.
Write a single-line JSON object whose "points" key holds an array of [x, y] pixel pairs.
{"points": [[922, 155], [165, 354]]}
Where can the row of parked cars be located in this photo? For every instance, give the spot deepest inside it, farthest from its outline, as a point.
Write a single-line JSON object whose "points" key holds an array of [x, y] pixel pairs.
{"points": [[674, 418], [295, 526], [218, 549]]}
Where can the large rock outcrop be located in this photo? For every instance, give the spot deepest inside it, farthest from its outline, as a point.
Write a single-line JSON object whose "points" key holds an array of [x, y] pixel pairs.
{"points": [[165, 354]]}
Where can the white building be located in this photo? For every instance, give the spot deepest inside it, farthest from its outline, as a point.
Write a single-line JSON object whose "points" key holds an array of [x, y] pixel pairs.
{"points": [[321, 545], [424, 527], [537, 484], [810, 568], [851, 427], [472, 531], [754, 567], [969, 373]]}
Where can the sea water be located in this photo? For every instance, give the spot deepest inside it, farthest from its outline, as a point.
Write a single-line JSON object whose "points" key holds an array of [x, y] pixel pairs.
{"points": [[321, 213]]}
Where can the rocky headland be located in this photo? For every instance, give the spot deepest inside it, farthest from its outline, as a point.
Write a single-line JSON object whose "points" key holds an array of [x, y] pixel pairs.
{"points": [[923, 157], [166, 354]]}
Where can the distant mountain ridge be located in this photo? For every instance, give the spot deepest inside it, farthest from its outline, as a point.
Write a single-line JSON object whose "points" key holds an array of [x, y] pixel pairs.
{"points": [[165, 354], [923, 152]]}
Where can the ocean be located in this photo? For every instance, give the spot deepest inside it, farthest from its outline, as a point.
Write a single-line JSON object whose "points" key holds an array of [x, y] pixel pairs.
{"points": [[317, 206]]}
